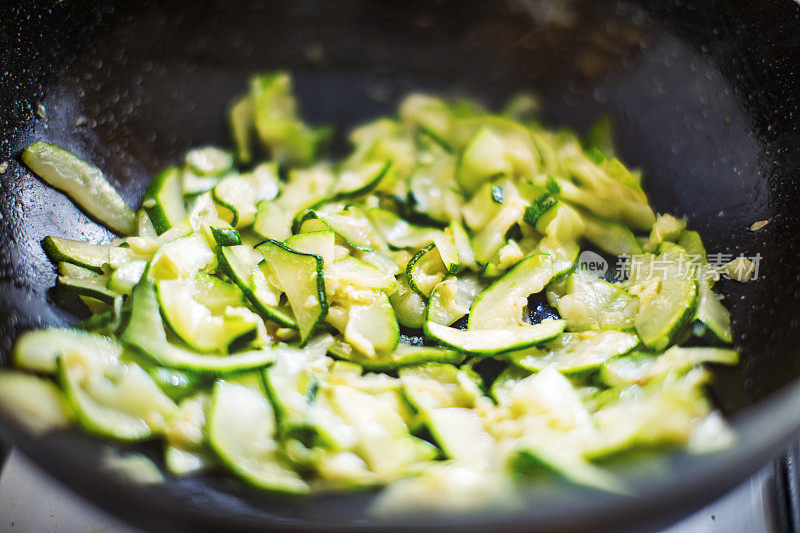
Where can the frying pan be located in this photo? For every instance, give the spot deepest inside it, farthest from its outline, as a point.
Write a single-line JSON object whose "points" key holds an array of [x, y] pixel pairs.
{"points": [[705, 98]]}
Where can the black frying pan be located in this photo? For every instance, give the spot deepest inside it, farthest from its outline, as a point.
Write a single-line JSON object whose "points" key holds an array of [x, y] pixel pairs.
{"points": [[706, 97]]}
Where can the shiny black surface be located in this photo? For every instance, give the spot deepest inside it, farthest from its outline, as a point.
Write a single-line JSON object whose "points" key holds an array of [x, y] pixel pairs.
{"points": [[705, 99]]}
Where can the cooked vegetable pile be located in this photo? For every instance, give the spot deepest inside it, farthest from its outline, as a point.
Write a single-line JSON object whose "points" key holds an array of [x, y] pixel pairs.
{"points": [[311, 325]]}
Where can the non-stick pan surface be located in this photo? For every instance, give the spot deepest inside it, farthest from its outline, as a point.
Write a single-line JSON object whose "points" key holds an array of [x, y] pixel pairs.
{"points": [[706, 97]]}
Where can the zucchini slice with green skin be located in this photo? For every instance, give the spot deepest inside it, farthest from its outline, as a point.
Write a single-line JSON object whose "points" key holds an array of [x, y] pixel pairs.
{"points": [[226, 236], [132, 409], [195, 323], [34, 402], [301, 278], [483, 159], [372, 325], [265, 302], [349, 223], [145, 332], [402, 356], [182, 258], [488, 240], [163, 200], [81, 253], [240, 194], [83, 183], [609, 236], [640, 367], [85, 282], [712, 314], [574, 353], [533, 459], [209, 161], [501, 304], [292, 384], [355, 182], [425, 270], [492, 341], [667, 297], [280, 130], [590, 303], [408, 305], [554, 218], [193, 185], [321, 243], [356, 273], [241, 121], [241, 431], [125, 278], [452, 298], [272, 221], [398, 233], [481, 208]]}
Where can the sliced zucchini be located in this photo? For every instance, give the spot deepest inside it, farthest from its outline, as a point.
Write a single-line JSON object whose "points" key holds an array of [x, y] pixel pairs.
{"points": [[85, 282], [357, 274], [209, 161], [438, 386], [452, 298], [195, 323], [590, 303], [641, 367], [241, 121], [555, 218], [145, 332], [399, 233], [182, 258], [233, 260], [301, 278], [272, 221], [532, 459], [125, 405], [488, 240], [193, 185], [483, 159], [34, 402], [321, 243], [239, 194], [712, 314], [226, 236], [163, 200], [371, 326], [288, 139], [667, 296], [501, 304], [349, 223], [241, 430], [609, 236], [292, 384], [409, 306], [124, 279], [572, 353], [481, 208], [81, 253], [382, 437], [425, 270], [402, 356], [466, 257], [83, 183], [492, 341], [355, 182]]}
